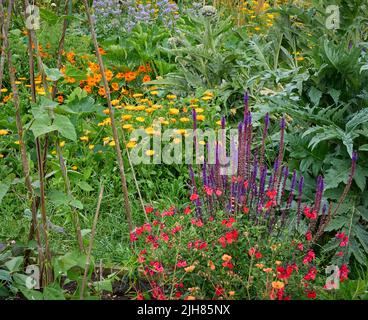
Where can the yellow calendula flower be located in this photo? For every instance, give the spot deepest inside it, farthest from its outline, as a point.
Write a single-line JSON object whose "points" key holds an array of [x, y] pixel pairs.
{"points": [[173, 111], [17, 142], [129, 107], [218, 122], [171, 96], [3, 132], [18, 82], [112, 143], [150, 152], [172, 120], [137, 95], [300, 58], [127, 126], [201, 117], [106, 111], [157, 106], [91, 147], [115, 102], [150, 110], [126, 117], [84, 138], [140, 108], [184, 119], [154, 92], [53, 152], [62, 144], [206, 98], [150, 130], [3, 90], [75, 168], [140, 119], [202, 142], [278, 284], [181, 131], [131, 144], [199, 110]]}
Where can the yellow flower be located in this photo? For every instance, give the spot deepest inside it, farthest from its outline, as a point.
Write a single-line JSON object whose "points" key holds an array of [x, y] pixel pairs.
{"points": [[127, 126], [173, 111], [184, 119], [150, 110], [140, 108], [62, 144], [131, 144], [53, 152], [277, 284], [206, 98], [4, 90], [201, 117], [154, 93], [218, 122], [190, 268], [91, 147], [75, 168], [115, 102], [106, 111], [181, 131], [300, 58], [150, 130], [202, 142], [199, 110], [112, 143], [1, 156], [150, 152], [137, 95], [140, 119], [190, 298], [3, 132], [157, 106], [171, 96], [126, 117], [84, 138]]}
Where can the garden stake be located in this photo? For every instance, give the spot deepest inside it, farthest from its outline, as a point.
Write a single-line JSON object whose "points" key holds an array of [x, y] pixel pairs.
{"points": [[23, 151], [112, 118], [93, 232]]}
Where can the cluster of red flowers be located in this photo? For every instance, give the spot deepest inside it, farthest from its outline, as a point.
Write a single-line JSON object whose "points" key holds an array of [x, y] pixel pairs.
{"points": [[310, 214], [229, 238]]}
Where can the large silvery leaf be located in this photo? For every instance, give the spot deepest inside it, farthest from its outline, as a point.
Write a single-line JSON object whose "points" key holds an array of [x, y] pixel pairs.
{"points": [[42, 125], [53, 73], [83, 105], [65, 127]]}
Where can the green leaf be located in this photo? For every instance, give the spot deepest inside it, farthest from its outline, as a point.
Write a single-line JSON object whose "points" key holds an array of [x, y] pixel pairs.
{"points": [[31, 294], [48, 16], [355, 249], [65, 127], [84, 186], [83, 105], [53, 292], [337, 223], [58, 198], [315, 95], [362, 235], [14, 264], [5, 275], [75, 73], [103, 285], [41, 126], [54, 74], [4, 188], [76, 204], [364, 147]]}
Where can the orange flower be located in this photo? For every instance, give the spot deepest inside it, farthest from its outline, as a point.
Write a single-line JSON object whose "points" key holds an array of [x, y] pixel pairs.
{"points": [[87, 88], [115, 86], [70, 79], [226, 257], [211, 265], [91, 81], [97, 77], [189, 269], [130, 76], [109, 75], [70, 57], [120, 75], [101, 91], [93, 66], [142, 69], [146, 78], [60, 99], [101, 51], [277, 285]]}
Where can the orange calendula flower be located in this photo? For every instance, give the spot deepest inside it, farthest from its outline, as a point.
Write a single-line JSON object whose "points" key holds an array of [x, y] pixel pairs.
{"points": [[101, 91], [87, 89], [70, 57], [115, 86], [60, 99], [278, 284], [119, 76], [101, 51], [226, 257], [109, 75], [146, 78]]}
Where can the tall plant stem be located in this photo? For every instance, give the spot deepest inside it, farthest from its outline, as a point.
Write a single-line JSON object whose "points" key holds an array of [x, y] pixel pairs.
{"points": [[63, 168], [93, 232], [75, 214], [119, 156], [23, 151], [4, 24]]}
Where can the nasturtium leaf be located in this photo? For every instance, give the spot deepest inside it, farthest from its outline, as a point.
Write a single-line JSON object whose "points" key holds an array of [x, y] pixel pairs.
{"points": [[4, 187], [53, 292], [41, 126], [84, 186], [75, 73], [65, 127], [53, 73], [14, 264]]}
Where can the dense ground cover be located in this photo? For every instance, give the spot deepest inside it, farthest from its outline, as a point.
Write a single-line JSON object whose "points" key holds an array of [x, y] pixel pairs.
{"points": [[87, 88]]}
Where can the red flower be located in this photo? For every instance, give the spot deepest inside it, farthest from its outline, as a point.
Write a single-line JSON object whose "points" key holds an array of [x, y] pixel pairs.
{"points": [[139, 296], [246, 210], [148, 210], [147, 227], [228, 223], [219, 291], [258, 255], [311, 294], [271, 194], [312, 215], [252, 251], [164, 237], [246, 184], [228, 264], [181, 264], [340, 254], [187, 210], [308, 236], [344, 272], [133, 237], [311, 275], [194, 197], [309, 257], [218, 192], [300, 246]]}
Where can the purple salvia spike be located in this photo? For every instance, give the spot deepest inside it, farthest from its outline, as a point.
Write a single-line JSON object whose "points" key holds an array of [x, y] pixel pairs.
{"points": [[246, 105], [300, 193], [264, 136], [223, 123]]}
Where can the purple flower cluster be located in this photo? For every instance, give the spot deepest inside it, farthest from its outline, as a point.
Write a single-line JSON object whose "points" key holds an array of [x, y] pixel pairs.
{"points": [[268, 194], [106, 8], [162, 10]]}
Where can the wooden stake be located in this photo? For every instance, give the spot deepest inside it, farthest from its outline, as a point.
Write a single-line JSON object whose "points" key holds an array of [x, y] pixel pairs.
{"points": [[119, 156]]}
